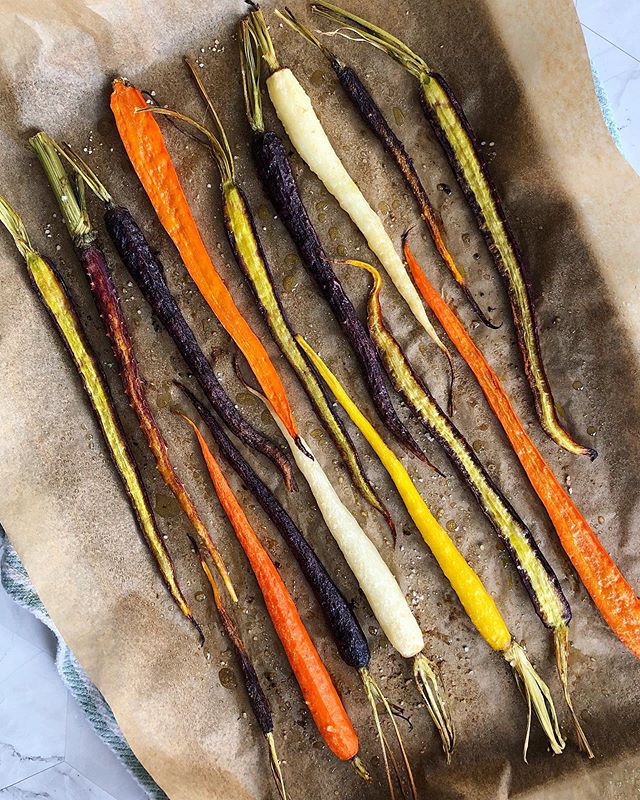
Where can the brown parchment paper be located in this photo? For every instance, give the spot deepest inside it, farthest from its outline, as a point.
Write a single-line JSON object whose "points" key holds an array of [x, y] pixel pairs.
{"points": [[522, 74]]}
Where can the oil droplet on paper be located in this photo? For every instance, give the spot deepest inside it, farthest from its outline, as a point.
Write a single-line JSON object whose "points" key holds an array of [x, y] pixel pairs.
{"points": [[227, 678]]}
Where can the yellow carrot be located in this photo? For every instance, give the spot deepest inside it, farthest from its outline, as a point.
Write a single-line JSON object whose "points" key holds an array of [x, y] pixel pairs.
{"points": [[475, 599]]}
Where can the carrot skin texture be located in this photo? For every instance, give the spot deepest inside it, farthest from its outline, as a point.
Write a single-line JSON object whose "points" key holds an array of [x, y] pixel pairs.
{"points": [[522, 306], [64, 316], [249, 253], [370, 112], [147, 151], [348, 635], [609, 590], [315, 682], [104, 291], [147, 271], [275, 172], [535, 572]]}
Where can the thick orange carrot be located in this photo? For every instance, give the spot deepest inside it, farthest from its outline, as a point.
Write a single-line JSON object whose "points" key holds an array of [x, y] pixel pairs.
{"points": [[147, 151], [610, 591], [316, 685]]}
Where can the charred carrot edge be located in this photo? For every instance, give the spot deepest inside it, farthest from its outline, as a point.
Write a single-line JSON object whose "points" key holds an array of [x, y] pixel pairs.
{"points": [[459, 143], [147, 151], [611, 593], [276, 175], [72, 205], [535, 572], [372, 115], [250, 255], [53, 294], [315, 683], [257, 697], [148, 272], [474, 597]]}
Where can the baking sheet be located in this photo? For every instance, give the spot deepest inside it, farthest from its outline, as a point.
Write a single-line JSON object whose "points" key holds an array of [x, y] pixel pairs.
{"points": [[522, 74]]}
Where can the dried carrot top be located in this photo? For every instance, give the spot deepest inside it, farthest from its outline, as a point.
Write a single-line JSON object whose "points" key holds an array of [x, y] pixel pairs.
{"points": [[147, 151]]}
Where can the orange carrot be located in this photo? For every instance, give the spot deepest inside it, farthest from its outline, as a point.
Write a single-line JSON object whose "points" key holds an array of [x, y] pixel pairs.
{"points": [[316, 685], [147, 151], [611, 593]]}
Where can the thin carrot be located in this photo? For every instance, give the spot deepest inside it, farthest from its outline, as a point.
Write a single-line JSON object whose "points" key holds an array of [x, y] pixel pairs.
{"points": [[147, 151], [313, 678], [610, 591], [49, 287], [475, 599]]}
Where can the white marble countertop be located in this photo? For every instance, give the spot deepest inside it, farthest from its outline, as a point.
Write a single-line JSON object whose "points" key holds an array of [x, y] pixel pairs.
{"points": [[47, 748]]}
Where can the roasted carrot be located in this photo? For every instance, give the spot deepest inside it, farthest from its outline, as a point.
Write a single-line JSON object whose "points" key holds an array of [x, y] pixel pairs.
{"points": [[474, 597], [535, 572], [85, 241], [315, 683], [460, 145], [252, 259], [611, 593], [341, 620], [372, 115], [53, 294], [257, 698], [148, 272], [147, 151], [276, 174], [306, 133]]}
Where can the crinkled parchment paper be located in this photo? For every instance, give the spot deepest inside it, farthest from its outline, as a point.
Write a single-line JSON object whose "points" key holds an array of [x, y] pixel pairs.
{"points": [[521, 72]]}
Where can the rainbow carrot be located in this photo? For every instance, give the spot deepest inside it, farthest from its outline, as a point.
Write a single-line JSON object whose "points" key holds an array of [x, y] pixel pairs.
{"points": [[609, 590], [316, 685], [147, 151]]}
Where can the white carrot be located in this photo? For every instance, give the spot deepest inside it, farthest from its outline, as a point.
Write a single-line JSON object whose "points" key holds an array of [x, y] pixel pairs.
{"points": [[304, 129], [378, 584]]}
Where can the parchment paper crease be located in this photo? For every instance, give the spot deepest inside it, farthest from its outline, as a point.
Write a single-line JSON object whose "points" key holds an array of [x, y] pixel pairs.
{"points": [[522, 74]]}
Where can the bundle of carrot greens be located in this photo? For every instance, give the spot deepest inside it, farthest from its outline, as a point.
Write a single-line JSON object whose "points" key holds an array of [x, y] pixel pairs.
{"points": [[389, 375]]}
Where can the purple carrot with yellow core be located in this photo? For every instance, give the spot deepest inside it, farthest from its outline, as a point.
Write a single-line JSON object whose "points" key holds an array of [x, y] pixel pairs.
{"points": [[372, 115], [251, 257], [53, 294], [147, 271], [460, 145], [71, 199], [536, 574]]}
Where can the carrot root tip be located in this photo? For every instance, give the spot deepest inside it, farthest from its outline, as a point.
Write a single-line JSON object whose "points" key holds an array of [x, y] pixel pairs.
{"points": [[274, 762], [537, 695], [435, 698], [196, 625], [561, 640]]}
